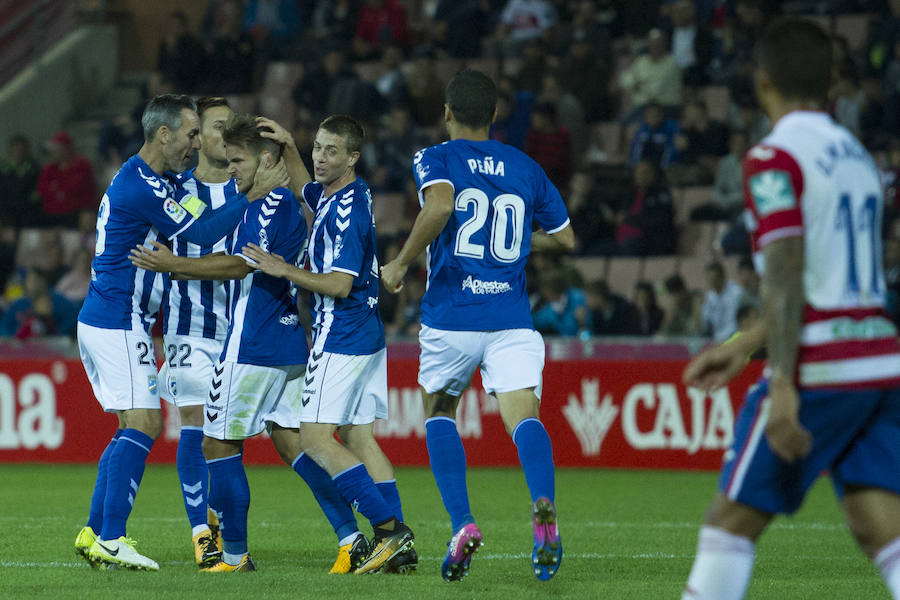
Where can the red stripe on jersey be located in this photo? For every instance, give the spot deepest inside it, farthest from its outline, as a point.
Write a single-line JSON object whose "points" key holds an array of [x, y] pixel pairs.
{"points": [[813, 315], [848, 350], [761, 159]]}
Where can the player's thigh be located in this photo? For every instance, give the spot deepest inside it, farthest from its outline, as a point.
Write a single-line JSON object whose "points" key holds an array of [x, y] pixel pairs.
{"points": [[516, 406], [188, 369], [240, 396], [120, 366], [873, 516], [753, 475], [342, 389], [513, 360], [736, 518], [448, 359]]}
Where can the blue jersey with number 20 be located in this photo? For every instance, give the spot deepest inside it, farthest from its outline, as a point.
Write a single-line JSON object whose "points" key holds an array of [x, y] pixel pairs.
{"points": [[476, 265]]}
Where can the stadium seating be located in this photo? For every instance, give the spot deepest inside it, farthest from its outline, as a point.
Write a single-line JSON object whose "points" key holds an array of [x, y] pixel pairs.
{"points": [[623, 273], [591, 268], [716, 98]]}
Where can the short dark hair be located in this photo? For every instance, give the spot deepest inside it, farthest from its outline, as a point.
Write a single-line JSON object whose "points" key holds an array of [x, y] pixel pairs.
{"points": [[472, 97], [348, 128], [165, 109], [675, 284], [747, 263], [796, 54], [243, 131], [207, 102], [716, 266]]}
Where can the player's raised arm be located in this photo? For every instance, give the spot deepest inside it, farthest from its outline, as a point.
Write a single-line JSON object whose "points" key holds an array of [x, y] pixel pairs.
{"points": [[296, 170], [210, 267], [432, 218], [336, 283]]}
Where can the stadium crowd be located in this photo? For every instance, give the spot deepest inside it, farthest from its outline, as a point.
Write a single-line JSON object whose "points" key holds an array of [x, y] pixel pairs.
{"points": [[639, 111]]}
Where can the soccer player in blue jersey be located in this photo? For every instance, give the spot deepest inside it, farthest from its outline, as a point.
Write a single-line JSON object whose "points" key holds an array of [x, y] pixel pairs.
{"points": [[116, 349], [258, 377], [194, 327], [480, 199], [345, 388]]}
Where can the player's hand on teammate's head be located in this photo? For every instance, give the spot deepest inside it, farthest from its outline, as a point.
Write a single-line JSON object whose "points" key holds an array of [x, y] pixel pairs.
{"points": [[271, 264], [392, 276], [271, 130], [715, 367], [158, 258], [267, 178]]}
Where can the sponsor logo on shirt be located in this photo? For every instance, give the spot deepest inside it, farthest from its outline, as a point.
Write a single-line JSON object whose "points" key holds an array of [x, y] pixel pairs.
{"points": [[479, 287], [174, 210], [290, 320], [772, 192]]}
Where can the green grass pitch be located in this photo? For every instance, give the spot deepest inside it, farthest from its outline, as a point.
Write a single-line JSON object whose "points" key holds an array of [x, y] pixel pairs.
{"points": [[626, 534]]}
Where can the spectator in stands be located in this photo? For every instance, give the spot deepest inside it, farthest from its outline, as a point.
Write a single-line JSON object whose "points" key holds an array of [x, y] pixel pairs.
{"points": [[66, 184], [654, 139], [392, 82], [891, 255], [532, 68], [181, 57], [271, 23], [681, 309], [890, 177], [513, 114], [39, 311], [701, 141], [693, 45], [586, 75], [745, 114], [18, 178], [748, 280], [548, 144], [425, 89], [314, 89], [73, 286], [728, 187], [653, 78], [380, 23], [718, 316], [335, 20], [232, 53], [523, 21], [50, 261], [569, 113], [396, 147], [459, 26], [847, 100], [558, 305], [646, 316], [645, 226], [605, 313]]}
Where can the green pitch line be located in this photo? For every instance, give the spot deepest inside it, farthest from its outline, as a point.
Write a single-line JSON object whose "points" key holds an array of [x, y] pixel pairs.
{"points": [[627, 534]]}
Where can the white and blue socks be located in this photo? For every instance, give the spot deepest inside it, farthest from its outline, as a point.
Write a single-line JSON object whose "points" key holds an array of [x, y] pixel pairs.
{"points": [[722, 566], [391, 496], [357, 488], [448, 464], [888, 562], [95, 516], [193, 475], [230, 491], [124, 472], [336, 509], [536, 456]]}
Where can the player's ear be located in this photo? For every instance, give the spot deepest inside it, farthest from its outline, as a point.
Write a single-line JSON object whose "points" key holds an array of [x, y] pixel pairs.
{"points": [[164, 133], [354, 157], [494, 116], [448, 114]]}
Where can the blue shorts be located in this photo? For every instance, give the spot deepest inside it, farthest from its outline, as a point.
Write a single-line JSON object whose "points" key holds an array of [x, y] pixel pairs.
{"points": [[856, 437]]}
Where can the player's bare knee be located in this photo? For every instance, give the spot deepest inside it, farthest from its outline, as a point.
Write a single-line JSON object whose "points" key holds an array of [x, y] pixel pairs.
{"points": [[738, 519], [147, 421], [191, 416], [440, 404]]}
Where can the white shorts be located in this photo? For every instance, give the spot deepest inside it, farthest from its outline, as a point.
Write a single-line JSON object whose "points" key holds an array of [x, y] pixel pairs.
{"points": [[510, 360], [188, 369], [240, 396], [287, 412], [345, 389], [121, 366]]}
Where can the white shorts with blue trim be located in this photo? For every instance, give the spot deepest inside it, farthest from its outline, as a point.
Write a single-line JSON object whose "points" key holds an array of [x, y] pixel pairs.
{"points": [[345, 389], [187, 369]]}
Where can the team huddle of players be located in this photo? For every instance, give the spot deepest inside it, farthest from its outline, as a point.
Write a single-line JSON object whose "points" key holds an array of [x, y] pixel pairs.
{"points": [[237, 360]]}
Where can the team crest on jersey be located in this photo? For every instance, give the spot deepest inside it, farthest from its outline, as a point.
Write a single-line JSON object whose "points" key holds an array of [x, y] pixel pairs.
{"points": [[772, 192], [263, 240], [151, 384], [173, 387], [174, 210], [338, 246]]}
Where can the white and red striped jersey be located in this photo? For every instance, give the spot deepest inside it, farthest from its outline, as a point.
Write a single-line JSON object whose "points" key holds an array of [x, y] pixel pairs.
{"points": [[810, 177]]}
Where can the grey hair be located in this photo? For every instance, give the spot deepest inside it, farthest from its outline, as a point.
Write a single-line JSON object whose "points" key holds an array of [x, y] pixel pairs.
{"points": [[165, 109]]}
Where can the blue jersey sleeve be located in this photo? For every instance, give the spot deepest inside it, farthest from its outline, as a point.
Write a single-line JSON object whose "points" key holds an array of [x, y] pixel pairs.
{"points": [[311, 193], [429, 167], [549, 209], [353, 226]]}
